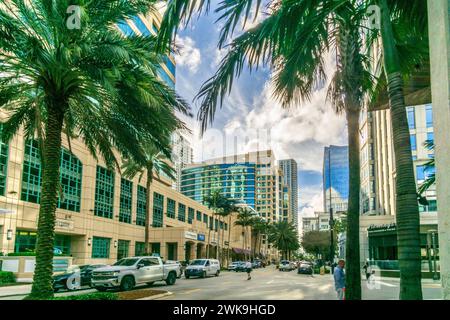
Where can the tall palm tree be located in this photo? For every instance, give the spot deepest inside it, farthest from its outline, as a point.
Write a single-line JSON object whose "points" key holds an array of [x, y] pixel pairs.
{"points": [[216, 202], [284, 237], [429, 166], [259, 228], [245, 219], [91, 83], [407, 211], [156, 162]]}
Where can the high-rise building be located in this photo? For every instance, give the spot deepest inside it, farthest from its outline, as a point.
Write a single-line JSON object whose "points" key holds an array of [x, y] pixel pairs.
{"points": [[252, 178], [289, 170], [335, 178], [182, 155]]}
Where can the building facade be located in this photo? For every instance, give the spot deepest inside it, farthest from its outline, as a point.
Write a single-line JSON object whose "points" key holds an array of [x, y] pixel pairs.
{"points": [[290, 171], [335, 178], [378, 230], [182, 155]]}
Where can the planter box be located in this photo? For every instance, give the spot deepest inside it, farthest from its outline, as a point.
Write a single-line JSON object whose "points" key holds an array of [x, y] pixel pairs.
{"points": [[23, 266]]}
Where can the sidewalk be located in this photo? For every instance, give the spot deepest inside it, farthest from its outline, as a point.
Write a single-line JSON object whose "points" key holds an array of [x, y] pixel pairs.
{"points": [[15, 290]]}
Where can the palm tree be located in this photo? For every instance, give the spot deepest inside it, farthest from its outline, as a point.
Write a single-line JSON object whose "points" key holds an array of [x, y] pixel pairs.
{"points": [[216, 202], [90, 83], [284, 237], [259, 228], [156, 162], [245, 219], [430, 166], [407, 211]]}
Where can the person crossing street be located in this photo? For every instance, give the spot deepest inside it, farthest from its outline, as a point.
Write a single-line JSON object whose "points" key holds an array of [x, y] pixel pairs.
{"points": [[248, 269]]}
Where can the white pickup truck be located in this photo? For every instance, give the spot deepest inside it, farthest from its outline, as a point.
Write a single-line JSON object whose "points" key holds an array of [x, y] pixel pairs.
{"points": [[129, 272]]}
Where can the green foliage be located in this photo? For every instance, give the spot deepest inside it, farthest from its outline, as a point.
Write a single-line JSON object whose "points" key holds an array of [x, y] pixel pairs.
{"points": [[7, 277], [90, 296], [283, 236], [318, 242]]}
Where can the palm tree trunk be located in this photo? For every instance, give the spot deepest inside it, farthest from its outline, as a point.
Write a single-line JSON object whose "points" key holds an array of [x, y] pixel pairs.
{"points": [[218, 240], [353, 274], [42, 279], [407, 212], [148, 210], [243, 243]]}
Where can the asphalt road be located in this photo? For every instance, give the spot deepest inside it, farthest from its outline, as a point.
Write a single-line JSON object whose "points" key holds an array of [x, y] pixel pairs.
{"points": [[271, 284], [268, 284]]}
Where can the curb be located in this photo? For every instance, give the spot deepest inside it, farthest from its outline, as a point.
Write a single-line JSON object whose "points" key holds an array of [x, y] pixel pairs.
{"points": [[157, 296]]}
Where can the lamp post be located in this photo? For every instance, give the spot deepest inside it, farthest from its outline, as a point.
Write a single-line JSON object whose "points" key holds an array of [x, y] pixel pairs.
{"points": [[331, 215], [433, 245]]}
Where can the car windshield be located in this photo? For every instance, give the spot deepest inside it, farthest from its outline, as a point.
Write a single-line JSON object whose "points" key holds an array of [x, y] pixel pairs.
{"points": [[305, 265], [126, 262], [198, 263], [284, 262]]}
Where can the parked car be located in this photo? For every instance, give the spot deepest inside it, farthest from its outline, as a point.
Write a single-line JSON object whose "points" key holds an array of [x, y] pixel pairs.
{"points": [[256, 264], [129, 272], [181, 269], [240, 267], [286, 265], [202, 268], [232, 266], [305, 268], [75, 277]]}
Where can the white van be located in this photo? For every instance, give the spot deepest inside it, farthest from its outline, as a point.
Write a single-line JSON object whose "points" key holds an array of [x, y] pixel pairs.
{"points": [[202, 268]]}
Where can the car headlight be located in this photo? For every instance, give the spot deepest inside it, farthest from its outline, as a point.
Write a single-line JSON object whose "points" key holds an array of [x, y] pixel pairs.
{"points": [[116, 273]]}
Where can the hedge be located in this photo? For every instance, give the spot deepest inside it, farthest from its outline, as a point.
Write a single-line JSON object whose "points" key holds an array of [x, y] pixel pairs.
{"points": [[7, 277], [32, 254], [90, 296]]}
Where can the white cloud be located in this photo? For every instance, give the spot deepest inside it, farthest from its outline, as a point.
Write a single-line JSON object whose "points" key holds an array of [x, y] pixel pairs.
{"points": [[189, 55], [315, 204]]}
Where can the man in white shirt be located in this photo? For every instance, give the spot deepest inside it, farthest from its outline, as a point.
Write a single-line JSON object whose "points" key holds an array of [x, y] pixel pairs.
{"points": [[248, 269]]}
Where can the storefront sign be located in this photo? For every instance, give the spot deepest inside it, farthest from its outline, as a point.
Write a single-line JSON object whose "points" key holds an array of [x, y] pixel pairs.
{"points": [[190, 235], [64, 224], [201, 237], [382, 228]]}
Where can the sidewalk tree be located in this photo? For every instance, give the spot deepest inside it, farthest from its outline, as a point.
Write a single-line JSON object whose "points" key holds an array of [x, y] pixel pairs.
{"points": [[154, 162], [90, 83], [317, 242], [283, 236], [245, 220]]}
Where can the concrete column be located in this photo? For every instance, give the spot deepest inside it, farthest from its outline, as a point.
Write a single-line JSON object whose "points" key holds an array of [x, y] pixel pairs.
{"points": [[439, 34]]}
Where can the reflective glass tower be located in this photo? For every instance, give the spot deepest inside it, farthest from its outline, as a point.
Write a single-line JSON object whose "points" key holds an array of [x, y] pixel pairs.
{"points": [[335, 178]]}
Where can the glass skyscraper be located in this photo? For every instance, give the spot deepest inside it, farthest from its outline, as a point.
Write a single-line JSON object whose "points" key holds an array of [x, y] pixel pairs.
{"points": [[335, 178]]}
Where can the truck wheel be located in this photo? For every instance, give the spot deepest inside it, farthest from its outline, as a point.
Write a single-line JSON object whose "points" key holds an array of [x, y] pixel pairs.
{"points": [[217, 273], [101, 289], [187, 277], [204, 274], [127, 283], [171, 279]]}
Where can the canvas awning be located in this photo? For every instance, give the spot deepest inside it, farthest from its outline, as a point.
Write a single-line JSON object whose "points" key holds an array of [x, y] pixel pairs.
{"points": [[241, 251]]}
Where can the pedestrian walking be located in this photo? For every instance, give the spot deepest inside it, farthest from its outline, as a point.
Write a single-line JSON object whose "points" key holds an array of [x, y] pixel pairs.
{"points": [[339, 280], [248, 269], [366, 269]]}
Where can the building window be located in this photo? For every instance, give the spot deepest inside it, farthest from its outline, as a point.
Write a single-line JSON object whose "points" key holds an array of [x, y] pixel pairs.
{"points": [[429, 116], [430, 136], [170, 208], [100, 247], [420, 174], [126, 195], [104, 193], [158, 209], [199, 216], [191, 213], [139, 249], [141, 26], [123, 248], [205, 219], [181, 212], [70, 177], [141, 208], [4, 147], [216, 224], [26, 242], [411, 117], [413, 142]]}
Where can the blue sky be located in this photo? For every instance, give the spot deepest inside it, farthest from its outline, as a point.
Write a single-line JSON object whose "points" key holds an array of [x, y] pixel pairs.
{"points": [[252, 114]]}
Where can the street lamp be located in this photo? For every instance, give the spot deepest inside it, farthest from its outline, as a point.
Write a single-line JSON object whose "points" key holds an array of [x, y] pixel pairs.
{"points": [[433, 234]]}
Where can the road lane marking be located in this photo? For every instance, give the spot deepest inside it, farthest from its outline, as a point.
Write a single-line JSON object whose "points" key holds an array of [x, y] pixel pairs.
{"points": [[386, 284], [190, 291], [270, 282]]}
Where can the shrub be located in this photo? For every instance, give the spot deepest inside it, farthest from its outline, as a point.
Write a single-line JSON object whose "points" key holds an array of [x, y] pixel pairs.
{"points": [[91, 296], [7, 277]]}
